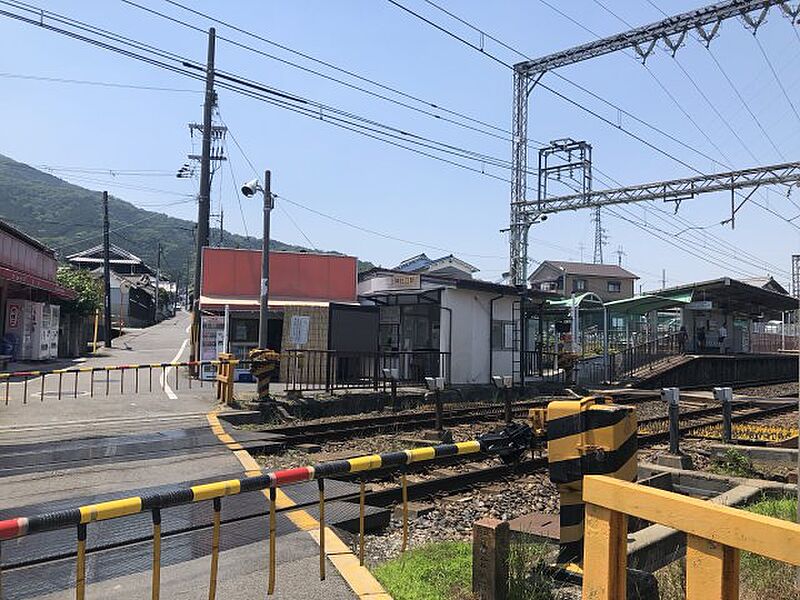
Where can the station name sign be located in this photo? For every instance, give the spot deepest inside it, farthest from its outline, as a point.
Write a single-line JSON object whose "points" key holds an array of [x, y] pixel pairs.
{"points": [[700, 305], [411, 281]]}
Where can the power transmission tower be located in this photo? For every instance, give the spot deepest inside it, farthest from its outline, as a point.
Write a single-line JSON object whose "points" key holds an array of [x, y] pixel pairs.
{"points": [[620, 253], [204, 198], [796, 275], [671, 32], [599, 237], [106, 275]]}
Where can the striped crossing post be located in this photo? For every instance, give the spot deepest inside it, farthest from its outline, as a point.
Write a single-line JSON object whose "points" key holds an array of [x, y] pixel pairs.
{"points": [[586, 437], [263, 363]]}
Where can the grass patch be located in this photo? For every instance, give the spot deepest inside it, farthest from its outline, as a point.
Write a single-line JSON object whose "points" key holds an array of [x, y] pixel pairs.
{"points": [[759, 575], [443, 571], [733, 464], [440, 571]]}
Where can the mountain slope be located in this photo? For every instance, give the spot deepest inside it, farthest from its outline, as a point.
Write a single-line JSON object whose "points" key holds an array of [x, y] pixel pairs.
{"points": [[69, 218]]}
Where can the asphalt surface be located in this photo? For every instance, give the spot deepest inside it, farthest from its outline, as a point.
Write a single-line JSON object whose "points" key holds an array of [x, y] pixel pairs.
{"points": [[91, 446]]}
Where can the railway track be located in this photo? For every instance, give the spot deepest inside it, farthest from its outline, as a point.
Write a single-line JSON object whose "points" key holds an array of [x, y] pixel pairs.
{"points": [[432, 484]]}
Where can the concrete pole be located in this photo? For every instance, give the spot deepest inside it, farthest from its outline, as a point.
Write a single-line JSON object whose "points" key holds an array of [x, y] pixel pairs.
{"points": [[263, 315], [158, 278], [204, 197], [107, 275], [226, 328], [606, 363]]}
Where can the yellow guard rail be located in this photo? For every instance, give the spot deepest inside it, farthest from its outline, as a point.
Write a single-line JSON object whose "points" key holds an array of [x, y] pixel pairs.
{"points": [[715, 535]]}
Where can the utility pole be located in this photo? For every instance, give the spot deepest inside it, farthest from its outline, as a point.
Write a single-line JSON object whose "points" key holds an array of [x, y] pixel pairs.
{"points": [[221, 221], [106, 276], [263, 316], [204, 198], [663, 279], [158, 277]]}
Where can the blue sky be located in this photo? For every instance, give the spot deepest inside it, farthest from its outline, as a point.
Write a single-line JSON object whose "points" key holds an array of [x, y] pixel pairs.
{"points": [[390, 190]]}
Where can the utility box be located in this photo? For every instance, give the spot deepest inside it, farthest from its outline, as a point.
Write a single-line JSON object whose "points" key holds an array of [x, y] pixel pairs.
{"points": [[671, 395], [723, 394]]}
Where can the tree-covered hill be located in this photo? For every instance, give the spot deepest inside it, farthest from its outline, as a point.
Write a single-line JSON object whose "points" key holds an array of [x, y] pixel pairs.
{"points": [[69, 218]]}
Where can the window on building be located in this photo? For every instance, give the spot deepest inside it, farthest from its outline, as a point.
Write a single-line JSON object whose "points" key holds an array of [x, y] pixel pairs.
{"points": [[615, 287], [579, 285], [502, 335]]}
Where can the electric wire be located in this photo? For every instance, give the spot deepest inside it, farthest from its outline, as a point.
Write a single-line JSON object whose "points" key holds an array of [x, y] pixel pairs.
{"points": [[777, 78], [255, 172], [744, 103], [355, 127], [108, 84], [568, 99], [327, 64]]}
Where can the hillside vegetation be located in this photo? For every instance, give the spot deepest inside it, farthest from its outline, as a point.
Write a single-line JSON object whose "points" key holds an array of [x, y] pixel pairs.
{"points": [[69, 218]]}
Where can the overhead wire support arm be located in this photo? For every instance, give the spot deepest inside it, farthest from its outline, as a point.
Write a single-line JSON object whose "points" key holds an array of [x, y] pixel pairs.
{"points": [[643, 39], [670, 31], [670, 191]]}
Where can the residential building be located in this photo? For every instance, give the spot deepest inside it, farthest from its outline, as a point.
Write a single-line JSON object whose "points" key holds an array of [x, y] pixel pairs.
{"points": [[29, 296], [445, 266], [766, 283], [461, 328], [119, 260], [609, 282]]}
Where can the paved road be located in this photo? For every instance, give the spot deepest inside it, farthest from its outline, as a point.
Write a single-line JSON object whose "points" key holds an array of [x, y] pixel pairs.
{"points": [[166, 342], [70, 451]]}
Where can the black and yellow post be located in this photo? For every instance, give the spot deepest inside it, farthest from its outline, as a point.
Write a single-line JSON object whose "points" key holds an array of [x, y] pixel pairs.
{"points": [[586, 437], [156, 585], [263, 363], [272, 527], [321, 486], [80, 564], [404, 488], [212, 585]]}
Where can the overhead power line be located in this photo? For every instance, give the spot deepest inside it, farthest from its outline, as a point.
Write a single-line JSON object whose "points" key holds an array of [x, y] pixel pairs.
{"points": [[330, 115], [430, 106], [523, 55], [108, 84]]}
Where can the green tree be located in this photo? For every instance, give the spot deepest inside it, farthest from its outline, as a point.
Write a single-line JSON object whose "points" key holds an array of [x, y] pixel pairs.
{"points": [[88, 289]]}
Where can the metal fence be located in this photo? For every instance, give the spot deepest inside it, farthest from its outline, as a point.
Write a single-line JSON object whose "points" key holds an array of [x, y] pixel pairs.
{"points": [[334, 369], [543, 366], [638, 360], [74, 381]]}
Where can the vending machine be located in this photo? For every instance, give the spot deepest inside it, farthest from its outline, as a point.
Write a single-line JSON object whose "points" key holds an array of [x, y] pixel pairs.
{"points": [[24, 322], [40, 344]]}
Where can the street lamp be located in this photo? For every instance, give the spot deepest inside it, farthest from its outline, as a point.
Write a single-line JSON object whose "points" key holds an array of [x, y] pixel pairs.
{"points": [[249, 190]]}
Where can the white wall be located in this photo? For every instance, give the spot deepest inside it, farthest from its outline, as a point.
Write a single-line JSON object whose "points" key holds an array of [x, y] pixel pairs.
{"points": [[471, 334]]}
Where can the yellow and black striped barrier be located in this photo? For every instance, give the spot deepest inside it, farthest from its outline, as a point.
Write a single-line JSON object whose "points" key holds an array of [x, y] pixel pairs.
{"points": [[263, 364], [80, 517], [586, 437], [60, 387]]}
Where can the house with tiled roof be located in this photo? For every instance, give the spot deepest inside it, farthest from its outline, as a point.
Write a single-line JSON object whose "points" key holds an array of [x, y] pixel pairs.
{"points": [[609, 282]]}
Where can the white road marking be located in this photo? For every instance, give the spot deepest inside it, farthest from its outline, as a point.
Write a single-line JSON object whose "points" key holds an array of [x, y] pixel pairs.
{"points": [[163, 379]]}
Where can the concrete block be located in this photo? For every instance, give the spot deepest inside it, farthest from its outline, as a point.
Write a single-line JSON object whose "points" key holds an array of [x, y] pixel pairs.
{"points": [[675, 461], [437, 437], [542, 526], [310, 448], [415, 510], [490, 540]]}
